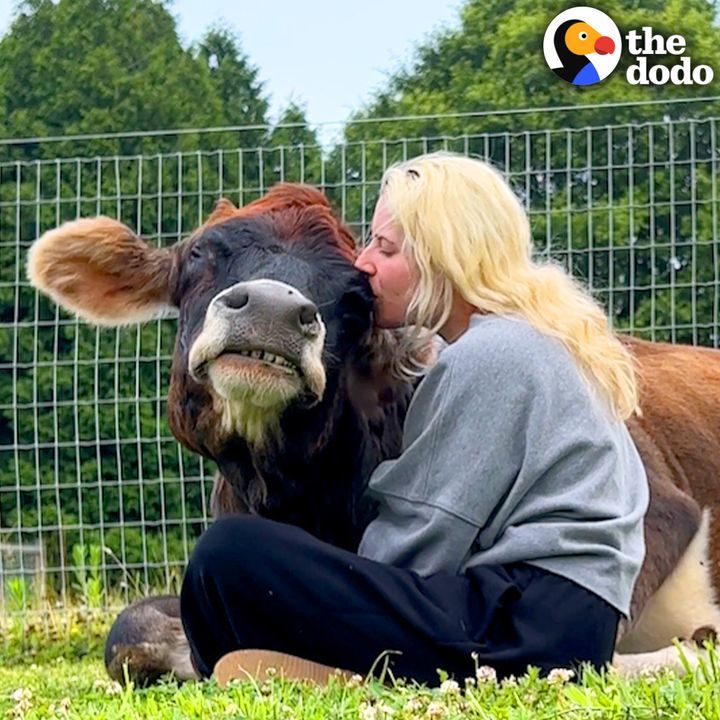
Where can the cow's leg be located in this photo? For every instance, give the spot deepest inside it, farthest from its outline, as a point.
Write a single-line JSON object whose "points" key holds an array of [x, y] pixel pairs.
{"points": [[671, 522], [148, 638], [684, 602], [668, 658]]}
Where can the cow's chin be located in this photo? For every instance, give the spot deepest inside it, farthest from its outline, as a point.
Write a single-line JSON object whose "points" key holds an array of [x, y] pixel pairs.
{"points": [[250, 395], [237, 378]]}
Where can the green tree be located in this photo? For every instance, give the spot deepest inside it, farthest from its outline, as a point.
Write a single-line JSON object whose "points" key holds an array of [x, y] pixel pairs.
{"points": [[624, 196], [493, 61], [85, 451], [100, 66], [233, 77], [294, 153]]}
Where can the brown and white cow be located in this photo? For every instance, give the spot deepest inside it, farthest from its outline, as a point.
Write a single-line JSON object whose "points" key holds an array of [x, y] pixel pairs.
{"points": [[279, 377]]}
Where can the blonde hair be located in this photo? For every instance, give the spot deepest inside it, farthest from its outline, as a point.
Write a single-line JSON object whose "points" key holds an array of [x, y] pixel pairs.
{"points": [[467, 232]]}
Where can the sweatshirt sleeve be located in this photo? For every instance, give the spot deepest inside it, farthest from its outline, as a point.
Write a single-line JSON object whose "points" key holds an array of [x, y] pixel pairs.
{"points": [[463, 447]]}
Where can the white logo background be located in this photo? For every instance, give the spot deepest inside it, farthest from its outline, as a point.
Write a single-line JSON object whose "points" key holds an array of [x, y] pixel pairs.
{"points": [[604, 64]]}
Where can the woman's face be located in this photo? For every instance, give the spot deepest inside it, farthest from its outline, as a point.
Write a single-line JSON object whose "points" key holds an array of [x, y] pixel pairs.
{"points": [[392, 274]]}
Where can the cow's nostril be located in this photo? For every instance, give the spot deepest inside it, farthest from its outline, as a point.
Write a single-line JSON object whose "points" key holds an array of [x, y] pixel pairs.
{"points": [[236, 300], [308, 313]]}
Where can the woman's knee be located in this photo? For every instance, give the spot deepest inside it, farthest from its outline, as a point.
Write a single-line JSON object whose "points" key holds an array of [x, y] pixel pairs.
{"points": [[234, 543]]}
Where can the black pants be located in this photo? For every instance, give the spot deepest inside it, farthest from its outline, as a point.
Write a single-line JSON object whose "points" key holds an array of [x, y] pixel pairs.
{"points": [[255, 583]]}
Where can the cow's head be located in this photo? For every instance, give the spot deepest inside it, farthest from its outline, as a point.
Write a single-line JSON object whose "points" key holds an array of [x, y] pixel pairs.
{"points": [[271, 308]]}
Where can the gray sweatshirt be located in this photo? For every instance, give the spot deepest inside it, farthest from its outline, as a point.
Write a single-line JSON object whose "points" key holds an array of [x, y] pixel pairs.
{"points": [[510, 456]]}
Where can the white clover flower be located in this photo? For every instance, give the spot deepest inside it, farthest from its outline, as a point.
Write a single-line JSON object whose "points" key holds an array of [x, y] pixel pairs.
{"points": [[354, 681], [368, 712], [385, 710], [21, 707], [413, 705], [449, 687], [559, 676], [486, 674], [63, 709], [109, 687], [436, 710], [510, 681], [22, 694]]}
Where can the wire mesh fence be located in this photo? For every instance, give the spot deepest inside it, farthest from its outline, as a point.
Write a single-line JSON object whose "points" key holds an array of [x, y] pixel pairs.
{"points": [[90, 475]]}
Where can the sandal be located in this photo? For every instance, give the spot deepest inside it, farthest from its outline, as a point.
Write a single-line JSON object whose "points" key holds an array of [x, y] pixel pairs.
{"points": [[255, 664]]}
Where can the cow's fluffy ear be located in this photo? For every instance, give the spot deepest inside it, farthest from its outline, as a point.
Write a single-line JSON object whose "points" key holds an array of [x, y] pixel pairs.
{"points": [[99, 269], [223, 210]]}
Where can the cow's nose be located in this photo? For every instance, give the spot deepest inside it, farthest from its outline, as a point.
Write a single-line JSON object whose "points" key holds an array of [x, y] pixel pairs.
{"points": [[307, 313], [264, 301]]}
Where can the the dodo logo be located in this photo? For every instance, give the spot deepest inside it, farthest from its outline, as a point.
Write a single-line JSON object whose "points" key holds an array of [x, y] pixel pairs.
{"points": [[582, 45]]}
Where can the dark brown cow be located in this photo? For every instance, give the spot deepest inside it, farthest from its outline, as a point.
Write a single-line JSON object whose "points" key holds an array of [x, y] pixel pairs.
{"points": [[279, 377], [278, 374]]}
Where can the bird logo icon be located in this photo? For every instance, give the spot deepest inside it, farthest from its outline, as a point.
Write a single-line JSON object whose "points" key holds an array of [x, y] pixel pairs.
{"points": [[582, 45]]}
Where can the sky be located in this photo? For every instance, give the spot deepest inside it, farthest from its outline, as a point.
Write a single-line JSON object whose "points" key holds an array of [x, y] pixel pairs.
{"points": [[326, 54]]}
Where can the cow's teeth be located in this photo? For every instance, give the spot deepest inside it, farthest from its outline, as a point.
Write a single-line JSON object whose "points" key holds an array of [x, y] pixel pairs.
{"points": [[268, 357]]}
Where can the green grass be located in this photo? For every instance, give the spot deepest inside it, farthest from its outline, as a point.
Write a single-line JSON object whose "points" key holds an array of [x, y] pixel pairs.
{"points": [[42, 677]]}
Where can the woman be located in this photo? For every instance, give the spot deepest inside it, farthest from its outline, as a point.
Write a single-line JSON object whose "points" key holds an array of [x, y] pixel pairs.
{"points": [[510, 527]]}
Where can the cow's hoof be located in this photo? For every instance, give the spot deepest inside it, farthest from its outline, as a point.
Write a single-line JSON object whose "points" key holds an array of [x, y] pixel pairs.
{"points": [[147, 642]]}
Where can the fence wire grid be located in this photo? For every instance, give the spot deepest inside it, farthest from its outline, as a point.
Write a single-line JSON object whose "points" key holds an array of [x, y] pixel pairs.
{"points": [[94, 490]]}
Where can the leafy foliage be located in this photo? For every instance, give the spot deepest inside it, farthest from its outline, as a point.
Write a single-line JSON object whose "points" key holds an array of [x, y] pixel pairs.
{"points": [[493, 61], [86, 456], [622, 192], [73, 689]]}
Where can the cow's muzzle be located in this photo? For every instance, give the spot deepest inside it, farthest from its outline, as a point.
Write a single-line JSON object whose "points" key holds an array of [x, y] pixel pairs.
{"points": [[262, 338]]}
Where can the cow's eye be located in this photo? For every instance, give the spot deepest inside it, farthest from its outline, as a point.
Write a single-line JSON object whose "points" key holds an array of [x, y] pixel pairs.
{"points": [[196, 253]]}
